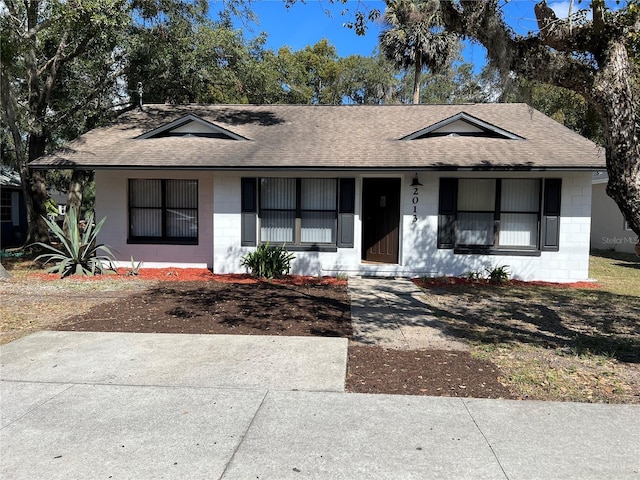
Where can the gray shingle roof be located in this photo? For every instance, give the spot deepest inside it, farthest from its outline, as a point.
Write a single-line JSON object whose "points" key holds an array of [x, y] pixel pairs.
{"points": [[330, 137]]}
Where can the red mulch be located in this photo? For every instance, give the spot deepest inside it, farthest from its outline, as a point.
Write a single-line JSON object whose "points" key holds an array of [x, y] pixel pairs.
{"points": [[449, 281], [198, 274]]}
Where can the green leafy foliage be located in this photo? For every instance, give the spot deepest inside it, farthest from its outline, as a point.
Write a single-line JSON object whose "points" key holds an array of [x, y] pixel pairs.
{"points": [[498, 274], [474, 275], [268, 262], [78, 252]]}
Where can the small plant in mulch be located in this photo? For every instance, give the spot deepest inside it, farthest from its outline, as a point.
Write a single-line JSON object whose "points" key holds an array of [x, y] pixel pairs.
{"points": [[268, 262], [135, 268], [498, 274]]}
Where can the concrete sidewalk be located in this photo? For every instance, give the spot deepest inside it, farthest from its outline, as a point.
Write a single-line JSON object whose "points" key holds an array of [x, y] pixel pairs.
{"points": [[140, 406]]}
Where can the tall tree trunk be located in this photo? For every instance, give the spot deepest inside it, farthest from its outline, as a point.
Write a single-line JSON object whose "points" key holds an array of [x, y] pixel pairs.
{"points": [[613, 95], [74, 196], [416, 78], [35, 190]]}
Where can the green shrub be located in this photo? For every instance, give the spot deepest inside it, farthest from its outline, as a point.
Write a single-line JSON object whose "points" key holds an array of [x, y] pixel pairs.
{"points": [[78, 252], [498, 274], [474, 275], [268, 262]]}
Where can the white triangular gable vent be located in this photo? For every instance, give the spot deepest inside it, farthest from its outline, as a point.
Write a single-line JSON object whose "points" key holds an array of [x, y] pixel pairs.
{"points": [[463, 124], [191, 126]]}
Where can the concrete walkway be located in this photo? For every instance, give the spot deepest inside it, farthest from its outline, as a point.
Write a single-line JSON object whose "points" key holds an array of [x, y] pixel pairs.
{"points": [[149, 406], [389, 312]]}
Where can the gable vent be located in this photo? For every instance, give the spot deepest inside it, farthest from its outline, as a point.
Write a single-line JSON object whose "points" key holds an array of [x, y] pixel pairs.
{"points": [[191, 126], [463, 125]]}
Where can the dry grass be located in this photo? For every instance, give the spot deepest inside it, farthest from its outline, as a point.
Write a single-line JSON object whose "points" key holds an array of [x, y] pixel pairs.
{"points": [[563, 344], [30, 304]]}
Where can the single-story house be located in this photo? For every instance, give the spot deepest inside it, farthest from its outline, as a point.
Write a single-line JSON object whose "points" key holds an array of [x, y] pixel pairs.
{"points": [[13, 210], [405, 190], [609, 229]]}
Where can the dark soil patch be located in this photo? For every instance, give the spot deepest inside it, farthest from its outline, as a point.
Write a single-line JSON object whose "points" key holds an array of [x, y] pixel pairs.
{"points": [[422, 372], [224, 308]]}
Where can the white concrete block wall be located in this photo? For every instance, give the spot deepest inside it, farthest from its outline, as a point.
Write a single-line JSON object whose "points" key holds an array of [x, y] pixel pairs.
{"points": [[571, 263], [111, 201], [220, 212], [227, 251]]}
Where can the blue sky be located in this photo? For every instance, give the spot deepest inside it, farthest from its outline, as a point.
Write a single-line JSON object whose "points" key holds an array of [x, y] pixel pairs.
{"points": [[307, 23]]}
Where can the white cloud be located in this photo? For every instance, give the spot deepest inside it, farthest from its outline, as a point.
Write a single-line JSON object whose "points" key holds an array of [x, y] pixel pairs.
{"points": [[561, 9]]}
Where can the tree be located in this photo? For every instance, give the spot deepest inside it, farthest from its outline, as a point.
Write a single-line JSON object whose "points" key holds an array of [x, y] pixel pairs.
{"points": [[595, 57], [564, 106], [367, 80], [319, 63], [413, 38], [41, 42]]}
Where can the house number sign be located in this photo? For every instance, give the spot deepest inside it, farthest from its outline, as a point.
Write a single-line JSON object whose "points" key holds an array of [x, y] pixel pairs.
{"points": [[414, 200]]}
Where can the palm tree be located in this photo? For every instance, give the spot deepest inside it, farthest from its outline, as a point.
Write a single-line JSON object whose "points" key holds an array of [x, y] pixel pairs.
{"points": [[413, 37]]}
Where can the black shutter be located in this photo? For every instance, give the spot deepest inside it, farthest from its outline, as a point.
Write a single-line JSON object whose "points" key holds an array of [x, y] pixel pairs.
{"points": [[551, 214], [346, 211], [248, 229], [447, 206]]}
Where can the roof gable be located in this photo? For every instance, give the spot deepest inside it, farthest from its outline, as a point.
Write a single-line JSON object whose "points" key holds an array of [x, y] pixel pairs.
{"points": [[191, 126], [463, 124]]}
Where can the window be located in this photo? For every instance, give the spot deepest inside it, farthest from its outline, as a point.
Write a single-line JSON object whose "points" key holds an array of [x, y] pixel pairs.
{"points": [[519, 213], [163, 211], [484, 215], [298, 211], [5, 205], [476, 204]]}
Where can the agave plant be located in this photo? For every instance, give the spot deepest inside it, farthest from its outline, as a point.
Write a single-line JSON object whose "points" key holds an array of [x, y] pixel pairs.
{"points": [[78, 254]]}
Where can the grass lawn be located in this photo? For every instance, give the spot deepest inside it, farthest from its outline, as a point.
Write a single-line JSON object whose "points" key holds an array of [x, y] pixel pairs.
{"points": [[617, 273]]}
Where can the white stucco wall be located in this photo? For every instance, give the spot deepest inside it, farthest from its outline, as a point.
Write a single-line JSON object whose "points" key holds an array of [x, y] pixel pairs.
{"points": [[607, 224], [219, 192]]}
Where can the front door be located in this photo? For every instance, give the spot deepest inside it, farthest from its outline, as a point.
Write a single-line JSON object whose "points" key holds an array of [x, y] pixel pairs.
{"points": [[381, 219]]}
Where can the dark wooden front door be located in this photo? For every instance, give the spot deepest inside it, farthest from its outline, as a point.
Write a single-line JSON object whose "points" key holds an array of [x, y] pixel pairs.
{"points": [[381, 219]]}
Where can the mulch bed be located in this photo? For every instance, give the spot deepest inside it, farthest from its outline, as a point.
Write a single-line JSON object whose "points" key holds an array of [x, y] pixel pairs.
{"points": [[198, 302], [461, 281], [422, 372], [252, 308], [193, 275]]}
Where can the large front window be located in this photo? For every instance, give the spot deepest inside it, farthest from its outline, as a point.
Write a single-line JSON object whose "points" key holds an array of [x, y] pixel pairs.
{"points": [[163, 211], [298, 211], [491, 214]]}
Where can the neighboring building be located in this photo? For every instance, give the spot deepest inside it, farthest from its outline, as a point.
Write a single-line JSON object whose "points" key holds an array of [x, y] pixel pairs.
{"points": [[13, 211], [370, 190], [60, 199], [609, 229]]}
